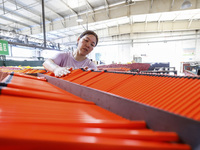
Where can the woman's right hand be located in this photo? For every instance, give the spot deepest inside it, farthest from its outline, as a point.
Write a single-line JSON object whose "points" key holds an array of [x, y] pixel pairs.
{"points": [[61, 71]]}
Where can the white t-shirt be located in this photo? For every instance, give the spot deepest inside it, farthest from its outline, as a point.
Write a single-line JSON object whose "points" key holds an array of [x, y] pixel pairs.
{"points": [[67, 60]]}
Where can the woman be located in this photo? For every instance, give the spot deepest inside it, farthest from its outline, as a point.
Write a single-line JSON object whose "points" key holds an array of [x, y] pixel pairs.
{"points": [[61, 64]]}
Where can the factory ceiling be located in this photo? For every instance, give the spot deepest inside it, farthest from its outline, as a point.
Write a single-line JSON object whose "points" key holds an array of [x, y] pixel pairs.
{"points": [[106, 17]]}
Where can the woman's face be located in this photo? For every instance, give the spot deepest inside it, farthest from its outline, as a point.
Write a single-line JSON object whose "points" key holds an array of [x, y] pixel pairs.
{"points": [[86, 44]]}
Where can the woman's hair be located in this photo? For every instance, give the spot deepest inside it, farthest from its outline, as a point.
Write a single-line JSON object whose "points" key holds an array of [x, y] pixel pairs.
{"points": [[91, 33]]}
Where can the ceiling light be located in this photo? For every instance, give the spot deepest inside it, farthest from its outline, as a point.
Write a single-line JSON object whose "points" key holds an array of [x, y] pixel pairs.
{"points": [[79, 19], [186, 4]]}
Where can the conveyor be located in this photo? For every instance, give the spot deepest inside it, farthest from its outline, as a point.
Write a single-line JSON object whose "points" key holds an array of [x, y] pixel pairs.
{"points": [[64, 112]]}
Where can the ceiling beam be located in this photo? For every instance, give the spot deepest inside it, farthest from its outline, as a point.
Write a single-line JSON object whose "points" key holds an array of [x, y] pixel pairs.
{"points": [[166, 26], [159, 21], [91, 8], [109, 31], [107, 8], [120, 11], [58, 14], [68, 7], [151, 4], [6, 27], [18, 15], [15, 21], [172, 4], [194, 15], [191, 19], [146, 21], [28, 8], [190, 23], [176, 17]]}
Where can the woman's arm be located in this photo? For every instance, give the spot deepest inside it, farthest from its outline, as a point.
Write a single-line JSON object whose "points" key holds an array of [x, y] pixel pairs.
{"points": [[49, 65]]}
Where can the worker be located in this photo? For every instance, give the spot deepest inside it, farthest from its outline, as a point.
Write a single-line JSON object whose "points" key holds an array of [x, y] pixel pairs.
{"points": [[63, 62]]}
